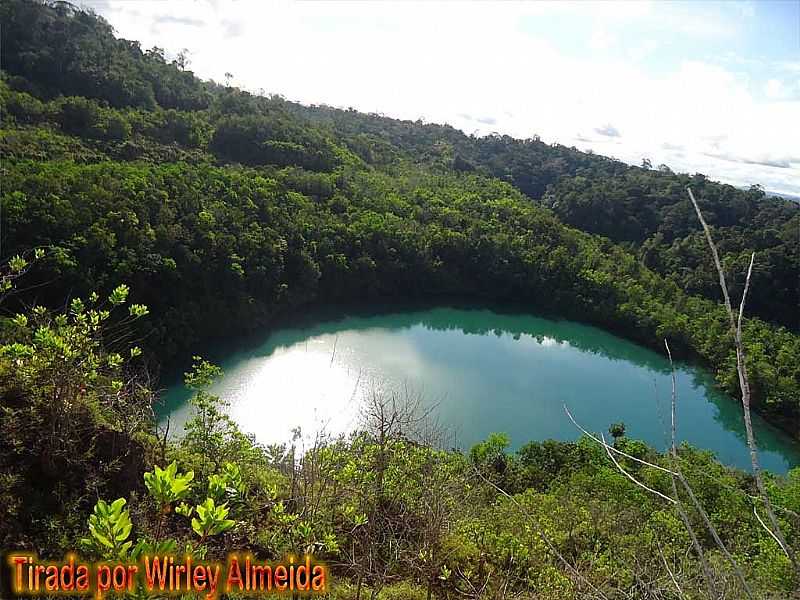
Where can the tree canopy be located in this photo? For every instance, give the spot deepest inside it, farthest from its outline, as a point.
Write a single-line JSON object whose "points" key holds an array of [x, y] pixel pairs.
{"points": [[146, 212]]}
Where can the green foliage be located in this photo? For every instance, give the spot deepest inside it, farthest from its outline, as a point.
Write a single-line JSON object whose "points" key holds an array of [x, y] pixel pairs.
{"points": [[651, 210], [210, 433], [74, 412], [490, 450], [146, 547], [21, 106], [17, 263], [202, 375], [74, 53], [617, 430], [72, 344], [109, 526], [119, 295], [226, 211], [16, 267], [226, 485], [211, 519], [168, 485], [274, 138], [80, 116], [402, 591]]}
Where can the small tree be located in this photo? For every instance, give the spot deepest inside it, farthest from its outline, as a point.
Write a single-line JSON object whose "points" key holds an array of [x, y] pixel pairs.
{"points": [[208, 430], [617, 431]]}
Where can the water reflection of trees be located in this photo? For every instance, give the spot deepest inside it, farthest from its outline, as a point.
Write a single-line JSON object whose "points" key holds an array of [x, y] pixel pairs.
{"points": [[481, 322], [474, 321]]}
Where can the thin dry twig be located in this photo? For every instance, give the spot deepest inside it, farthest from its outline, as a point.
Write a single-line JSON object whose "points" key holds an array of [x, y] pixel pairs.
{"points": [[671, 574], [540, 531], [631, 477], [617, 450]]}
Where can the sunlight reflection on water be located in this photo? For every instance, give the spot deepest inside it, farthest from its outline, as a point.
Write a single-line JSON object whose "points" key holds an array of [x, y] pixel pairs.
{"points": [[480, 372]]}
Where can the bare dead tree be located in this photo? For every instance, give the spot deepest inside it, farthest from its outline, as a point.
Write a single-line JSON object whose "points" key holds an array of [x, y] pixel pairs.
{"points": [[676, 475], [394, 414], [744, 383], [387, 418]]}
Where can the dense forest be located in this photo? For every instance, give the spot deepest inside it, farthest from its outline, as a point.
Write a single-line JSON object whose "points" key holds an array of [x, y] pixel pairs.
{"points": [[146, 212], [645, 210]]}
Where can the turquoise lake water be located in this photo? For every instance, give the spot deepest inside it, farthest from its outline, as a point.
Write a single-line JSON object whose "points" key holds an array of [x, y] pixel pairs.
{"points": [[479, 371]]}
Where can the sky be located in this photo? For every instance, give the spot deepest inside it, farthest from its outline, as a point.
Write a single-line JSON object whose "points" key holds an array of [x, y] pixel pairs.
{"points": [[709, 87]]}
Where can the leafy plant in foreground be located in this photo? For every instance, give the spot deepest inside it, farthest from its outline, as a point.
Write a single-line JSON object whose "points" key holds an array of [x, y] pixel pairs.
{"points": [[110, 526], [211, 519], [167, 486]]}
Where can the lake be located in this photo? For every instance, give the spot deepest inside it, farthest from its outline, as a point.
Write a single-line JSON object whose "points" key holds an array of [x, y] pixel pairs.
{"points": [[479, 371]]}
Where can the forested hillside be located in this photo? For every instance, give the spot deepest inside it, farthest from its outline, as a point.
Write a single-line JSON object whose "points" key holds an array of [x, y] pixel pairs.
{"points": [[645, 209], [225, 212]]}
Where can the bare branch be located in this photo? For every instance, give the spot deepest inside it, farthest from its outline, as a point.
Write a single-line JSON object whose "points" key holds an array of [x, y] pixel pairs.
{"points": [[715, 254], [769, 531], [611, 448], [744, 295], [540, 531], [713, 531], [631, 477], [712, 592], [744, 384], [671, 574]]}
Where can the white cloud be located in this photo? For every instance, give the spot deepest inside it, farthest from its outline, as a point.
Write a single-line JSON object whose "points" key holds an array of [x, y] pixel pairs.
{"points": [[776, 89], [789, 65], [602, 39], [444, 62], [747, 9], [643, 50], [607, 130]]}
